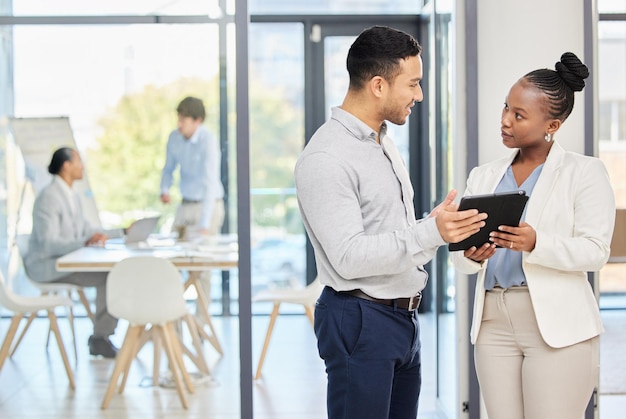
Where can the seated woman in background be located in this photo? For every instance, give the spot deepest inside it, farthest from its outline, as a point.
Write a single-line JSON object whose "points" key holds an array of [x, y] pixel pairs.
{"points": [[60, 227]]}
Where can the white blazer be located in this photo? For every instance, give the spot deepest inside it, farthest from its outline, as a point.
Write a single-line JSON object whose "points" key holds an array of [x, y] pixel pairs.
{"points": [[572, 209], [56, 232]]}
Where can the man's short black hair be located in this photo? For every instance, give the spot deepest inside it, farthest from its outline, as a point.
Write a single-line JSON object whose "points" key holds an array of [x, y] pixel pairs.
{"points": [[377, 51], [192, 107]]}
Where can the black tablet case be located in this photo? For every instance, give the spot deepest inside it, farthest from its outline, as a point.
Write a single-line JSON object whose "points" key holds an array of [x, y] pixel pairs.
{"points": [[503, 209]]}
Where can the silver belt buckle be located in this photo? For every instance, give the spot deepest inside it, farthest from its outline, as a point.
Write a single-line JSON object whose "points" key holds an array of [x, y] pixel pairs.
{"points": [[414, 302]]}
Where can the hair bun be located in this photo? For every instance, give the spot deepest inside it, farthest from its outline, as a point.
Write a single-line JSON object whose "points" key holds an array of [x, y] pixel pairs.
{"points": [[572, 71]]}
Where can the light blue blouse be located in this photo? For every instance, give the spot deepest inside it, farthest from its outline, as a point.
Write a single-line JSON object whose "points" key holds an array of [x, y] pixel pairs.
{"points": [[505, 267]]}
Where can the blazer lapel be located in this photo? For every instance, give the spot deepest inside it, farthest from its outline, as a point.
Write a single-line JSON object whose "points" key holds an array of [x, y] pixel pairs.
{"points": [[545, 184], [497, 170], [72, 223]]}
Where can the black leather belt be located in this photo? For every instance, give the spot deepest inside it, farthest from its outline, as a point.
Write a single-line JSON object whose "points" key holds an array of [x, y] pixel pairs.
{"points": [[409, 304], [191, 201]]}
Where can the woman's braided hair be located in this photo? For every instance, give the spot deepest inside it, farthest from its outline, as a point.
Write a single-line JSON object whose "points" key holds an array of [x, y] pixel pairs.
{"points": [[559, 85]]}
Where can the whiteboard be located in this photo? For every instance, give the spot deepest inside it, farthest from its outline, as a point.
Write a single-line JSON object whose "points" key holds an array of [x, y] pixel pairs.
{"points": [[37, 139]]}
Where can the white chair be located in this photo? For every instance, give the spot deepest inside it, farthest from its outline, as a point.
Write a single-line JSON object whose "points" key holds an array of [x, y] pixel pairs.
{"points": [[304, 296], [148, 292], [21, 306], [59, 289]]}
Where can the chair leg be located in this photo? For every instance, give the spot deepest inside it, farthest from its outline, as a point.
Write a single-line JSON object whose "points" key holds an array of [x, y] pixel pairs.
{"points": [[124, 357], [178, 353], [8, 339], [137, 345], [70, 316], [310, 313], [145, 337], [49, 329], [198, 358], [268, 335], [54, 326], [203, 305], [83, 299], [24, 329], [168, 345], [157, 344]]}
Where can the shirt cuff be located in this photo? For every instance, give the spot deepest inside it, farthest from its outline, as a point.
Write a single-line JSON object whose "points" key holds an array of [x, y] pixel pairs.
{"points": [[428, 233]]}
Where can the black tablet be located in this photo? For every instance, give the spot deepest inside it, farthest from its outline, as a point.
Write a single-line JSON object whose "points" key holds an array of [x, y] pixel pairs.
{"points": [[503, 209]]}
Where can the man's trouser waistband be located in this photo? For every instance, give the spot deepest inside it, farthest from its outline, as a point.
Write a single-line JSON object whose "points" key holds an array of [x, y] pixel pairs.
{"points": [[409, 304]]}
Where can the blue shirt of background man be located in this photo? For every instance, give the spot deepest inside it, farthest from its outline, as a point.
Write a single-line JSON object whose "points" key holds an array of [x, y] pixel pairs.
{"points": [[199, 159], [505, 267]]}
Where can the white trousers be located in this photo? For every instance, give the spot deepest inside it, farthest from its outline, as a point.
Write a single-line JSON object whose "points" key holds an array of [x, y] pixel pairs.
{"points": [[520, 376]]}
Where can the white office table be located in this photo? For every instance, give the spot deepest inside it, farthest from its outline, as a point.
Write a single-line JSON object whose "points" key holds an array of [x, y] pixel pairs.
{"points": [[185, 256], [194, 257]]}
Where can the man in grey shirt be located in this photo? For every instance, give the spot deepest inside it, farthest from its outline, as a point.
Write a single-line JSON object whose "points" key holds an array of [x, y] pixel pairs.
{"points": [[356, 202]]}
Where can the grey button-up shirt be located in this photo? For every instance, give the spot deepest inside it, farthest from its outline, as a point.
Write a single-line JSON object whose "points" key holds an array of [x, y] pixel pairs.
{"points": [[352, 206]]}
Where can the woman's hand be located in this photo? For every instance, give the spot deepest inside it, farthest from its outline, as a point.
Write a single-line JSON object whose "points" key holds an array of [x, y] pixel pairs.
{"points": [[522, 238], [97, 239]]}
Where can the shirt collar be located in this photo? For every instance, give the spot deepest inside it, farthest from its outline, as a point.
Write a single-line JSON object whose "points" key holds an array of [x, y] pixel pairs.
{"points": [[194, 138], [359, 129]]}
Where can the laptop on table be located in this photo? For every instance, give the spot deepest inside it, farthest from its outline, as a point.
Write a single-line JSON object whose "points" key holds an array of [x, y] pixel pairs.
{"points": [[137, 232]]}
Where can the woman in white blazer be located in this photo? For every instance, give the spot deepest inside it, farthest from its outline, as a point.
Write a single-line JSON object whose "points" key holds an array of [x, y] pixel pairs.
{"points": [[536, 321], [60, 227]]}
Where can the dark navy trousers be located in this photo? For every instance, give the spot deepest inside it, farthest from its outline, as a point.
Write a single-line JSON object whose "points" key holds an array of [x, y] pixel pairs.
{"points": [[372, 357]]}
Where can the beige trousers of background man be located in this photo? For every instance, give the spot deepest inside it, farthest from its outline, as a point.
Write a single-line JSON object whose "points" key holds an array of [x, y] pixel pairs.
{"points": [[512, 359], [188, 214]]}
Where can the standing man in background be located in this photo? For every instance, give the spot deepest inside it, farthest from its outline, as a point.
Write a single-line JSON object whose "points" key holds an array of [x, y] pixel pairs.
{"points": [[196, 151]]}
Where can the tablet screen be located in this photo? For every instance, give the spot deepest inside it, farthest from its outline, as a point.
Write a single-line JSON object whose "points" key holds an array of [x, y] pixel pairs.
{"points": [[502, 209]]}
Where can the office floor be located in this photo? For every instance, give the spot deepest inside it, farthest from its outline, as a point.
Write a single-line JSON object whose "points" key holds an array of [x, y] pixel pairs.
{"points": [[33, 384]]}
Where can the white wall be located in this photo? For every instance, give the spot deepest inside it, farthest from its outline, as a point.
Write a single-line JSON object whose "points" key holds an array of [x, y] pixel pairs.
{"points": [[513, 39]]}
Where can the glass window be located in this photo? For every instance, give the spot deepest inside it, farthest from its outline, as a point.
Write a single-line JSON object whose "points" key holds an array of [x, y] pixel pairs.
{"points": [[334, 7], [612, 141], [116, 7], [119, 85], [611, 6], [276, 139]]}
